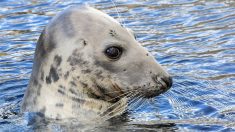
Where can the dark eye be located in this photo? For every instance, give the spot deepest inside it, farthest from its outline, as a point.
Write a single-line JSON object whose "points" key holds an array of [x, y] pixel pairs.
{"points": [[113, 52]]}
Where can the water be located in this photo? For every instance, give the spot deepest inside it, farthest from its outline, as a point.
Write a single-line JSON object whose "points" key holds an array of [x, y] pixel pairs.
{"points": [[194, 39]]}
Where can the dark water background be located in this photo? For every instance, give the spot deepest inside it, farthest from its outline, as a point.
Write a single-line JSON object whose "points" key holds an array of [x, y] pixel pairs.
{"points": [[194, 39]]}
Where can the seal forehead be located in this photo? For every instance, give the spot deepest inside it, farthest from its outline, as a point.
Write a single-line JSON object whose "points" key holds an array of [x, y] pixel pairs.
{"points": [[63, 23], [86, 23], [92, 14], [78, 23], [91, 22]]}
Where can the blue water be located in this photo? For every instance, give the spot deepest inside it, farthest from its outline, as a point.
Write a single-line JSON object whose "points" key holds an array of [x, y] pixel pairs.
{"points": [[193, 39]]}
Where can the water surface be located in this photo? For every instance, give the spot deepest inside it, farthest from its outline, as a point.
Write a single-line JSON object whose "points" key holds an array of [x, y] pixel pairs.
{"points": [[194, 39]]}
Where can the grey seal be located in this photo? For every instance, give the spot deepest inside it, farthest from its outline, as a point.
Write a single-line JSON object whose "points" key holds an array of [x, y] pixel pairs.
{"points": [[88, 65]]}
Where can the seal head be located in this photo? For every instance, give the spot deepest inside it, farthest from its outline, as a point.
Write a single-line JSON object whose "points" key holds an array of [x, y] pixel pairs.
{"points": [[85, 62]]}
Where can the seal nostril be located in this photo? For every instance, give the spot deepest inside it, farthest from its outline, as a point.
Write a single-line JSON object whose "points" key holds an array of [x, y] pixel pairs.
{"points": [[168, 81]]}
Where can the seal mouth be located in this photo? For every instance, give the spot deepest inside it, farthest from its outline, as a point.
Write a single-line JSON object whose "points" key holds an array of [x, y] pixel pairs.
{"points": [[154, 92], [101, 92], [162, 84]]}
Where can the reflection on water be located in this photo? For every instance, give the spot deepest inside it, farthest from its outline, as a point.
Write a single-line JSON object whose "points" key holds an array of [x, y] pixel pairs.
{"points": [[194, 39]]}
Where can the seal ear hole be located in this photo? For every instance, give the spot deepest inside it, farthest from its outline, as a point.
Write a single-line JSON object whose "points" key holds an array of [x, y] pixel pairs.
{"points": [[113, 52], [84, 42], [124, 69], [147, 54], [150, 72]]}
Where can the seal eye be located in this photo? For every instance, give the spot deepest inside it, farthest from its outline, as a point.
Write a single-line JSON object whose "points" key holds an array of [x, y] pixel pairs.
{"points": [[113, 52]]}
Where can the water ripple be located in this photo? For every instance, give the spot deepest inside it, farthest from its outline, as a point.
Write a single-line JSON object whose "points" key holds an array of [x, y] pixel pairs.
{"points": [[194, 39]]}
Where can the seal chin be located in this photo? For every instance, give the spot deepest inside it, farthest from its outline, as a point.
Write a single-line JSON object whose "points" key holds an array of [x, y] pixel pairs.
{"points": [[155, 92]]}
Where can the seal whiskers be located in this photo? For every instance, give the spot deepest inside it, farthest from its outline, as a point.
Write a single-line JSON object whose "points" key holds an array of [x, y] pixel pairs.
{"points": [[134, 101], [114, 109], [120, 106]]}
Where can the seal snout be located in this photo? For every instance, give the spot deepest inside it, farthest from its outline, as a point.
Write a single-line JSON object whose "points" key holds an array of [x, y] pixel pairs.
{"points": [[163, 83]]}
